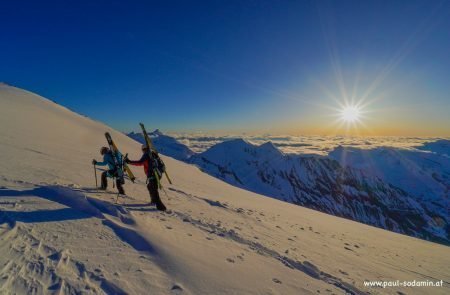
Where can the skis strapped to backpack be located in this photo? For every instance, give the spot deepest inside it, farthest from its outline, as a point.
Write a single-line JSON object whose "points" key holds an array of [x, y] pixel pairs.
{"points": [[120, 164], [153, 154]]}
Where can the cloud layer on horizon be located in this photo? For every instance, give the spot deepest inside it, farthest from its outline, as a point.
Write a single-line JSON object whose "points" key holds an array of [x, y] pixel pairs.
{"points": [[320, 145]]}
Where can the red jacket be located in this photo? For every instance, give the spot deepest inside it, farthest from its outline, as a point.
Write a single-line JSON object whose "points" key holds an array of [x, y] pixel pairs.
{"points": [[146, 162]]}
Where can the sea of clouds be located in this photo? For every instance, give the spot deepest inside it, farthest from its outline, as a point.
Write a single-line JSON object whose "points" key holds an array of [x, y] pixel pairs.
{"points": [[321, 145]]}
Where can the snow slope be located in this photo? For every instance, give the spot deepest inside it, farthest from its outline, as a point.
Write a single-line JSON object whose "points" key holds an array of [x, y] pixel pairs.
{"points": [[440, 147], [425, 176], [58, 235]]}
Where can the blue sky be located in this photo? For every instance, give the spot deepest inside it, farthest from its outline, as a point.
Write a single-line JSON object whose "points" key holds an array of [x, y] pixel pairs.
{"points": [[276, 66]]}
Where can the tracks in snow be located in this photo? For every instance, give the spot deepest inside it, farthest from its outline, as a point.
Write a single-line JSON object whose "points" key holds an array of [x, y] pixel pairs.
{"points": [[56, 272], [306, 267]]}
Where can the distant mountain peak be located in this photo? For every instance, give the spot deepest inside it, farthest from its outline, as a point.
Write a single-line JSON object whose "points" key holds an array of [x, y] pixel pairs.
{"points": [[441, 147], [269, 147], [233, 144], [157, 132]]}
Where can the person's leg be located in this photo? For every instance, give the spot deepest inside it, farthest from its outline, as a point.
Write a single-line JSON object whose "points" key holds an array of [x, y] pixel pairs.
{"points": [[119, 183], [154, 194], [104, 183], [151, 190]]}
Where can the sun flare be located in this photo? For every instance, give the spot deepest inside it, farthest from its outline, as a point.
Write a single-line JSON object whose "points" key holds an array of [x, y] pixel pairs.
{"points": [[350, 114]]}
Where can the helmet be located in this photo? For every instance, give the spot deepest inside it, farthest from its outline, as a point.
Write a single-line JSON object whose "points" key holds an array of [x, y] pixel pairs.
{"points": [[103, 150]]}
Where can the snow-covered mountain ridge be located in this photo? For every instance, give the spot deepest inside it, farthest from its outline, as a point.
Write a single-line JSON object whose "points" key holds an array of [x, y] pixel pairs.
{"points": [[400, 190], [59, 235]]}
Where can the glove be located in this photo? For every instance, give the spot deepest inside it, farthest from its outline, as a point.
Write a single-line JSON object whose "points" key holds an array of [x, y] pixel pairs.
{"points": [[94, 162]]}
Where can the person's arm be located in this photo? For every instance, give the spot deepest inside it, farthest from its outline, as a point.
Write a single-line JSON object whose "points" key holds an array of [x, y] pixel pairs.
{"points": [[100, 163], [103, 163], [139, 162]]}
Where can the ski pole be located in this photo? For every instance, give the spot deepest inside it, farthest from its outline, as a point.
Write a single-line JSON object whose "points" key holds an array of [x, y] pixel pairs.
{"points": [[167, 176], [95, 173], [157, 179]]}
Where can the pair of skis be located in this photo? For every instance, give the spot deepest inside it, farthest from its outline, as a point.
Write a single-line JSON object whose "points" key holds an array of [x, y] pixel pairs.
{"points": [[121, 166], [151, 147], [117, 155], [126, 168]]}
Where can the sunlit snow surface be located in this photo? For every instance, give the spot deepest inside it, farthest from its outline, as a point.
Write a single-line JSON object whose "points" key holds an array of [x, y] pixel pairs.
{"points": [[59, 235]]}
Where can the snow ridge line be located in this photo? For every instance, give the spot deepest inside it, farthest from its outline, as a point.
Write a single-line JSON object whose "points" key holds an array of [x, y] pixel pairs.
{"points": [[51, 270], [76, 199], [119, 219], [305, 266], [116, 217]]}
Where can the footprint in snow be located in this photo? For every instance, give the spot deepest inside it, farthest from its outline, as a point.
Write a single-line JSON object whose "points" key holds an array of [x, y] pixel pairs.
{"points": [[277, 281], [176, 289], [343, 272]]}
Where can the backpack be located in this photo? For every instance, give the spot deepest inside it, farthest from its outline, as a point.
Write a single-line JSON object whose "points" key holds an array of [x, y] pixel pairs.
{"points": [[117, 162], [158, 164]]}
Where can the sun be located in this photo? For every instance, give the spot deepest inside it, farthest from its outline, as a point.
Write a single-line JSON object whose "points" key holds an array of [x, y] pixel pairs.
{"points": [[350, 114]]}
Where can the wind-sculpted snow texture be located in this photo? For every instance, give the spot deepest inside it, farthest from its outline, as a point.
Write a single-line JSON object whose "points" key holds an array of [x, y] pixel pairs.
{"points": [[60, 235]]}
